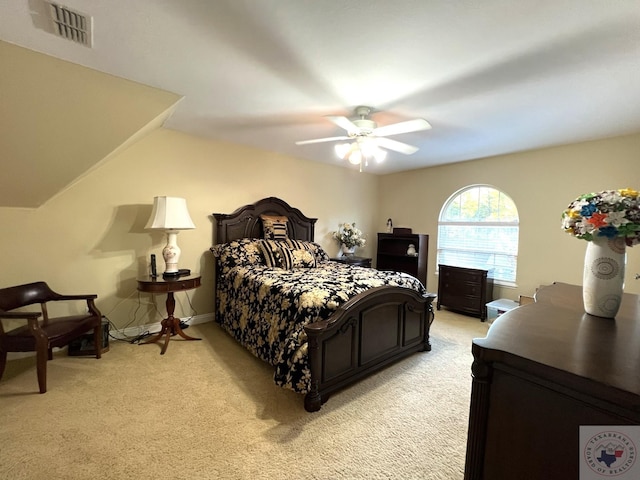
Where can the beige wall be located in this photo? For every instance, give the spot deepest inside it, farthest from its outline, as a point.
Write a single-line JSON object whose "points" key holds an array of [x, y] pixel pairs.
{"points": [[91, 238], [542, 183]]}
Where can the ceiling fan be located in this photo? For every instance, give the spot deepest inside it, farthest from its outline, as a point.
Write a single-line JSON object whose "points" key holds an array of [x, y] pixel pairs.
{"points": [[364, 130]]}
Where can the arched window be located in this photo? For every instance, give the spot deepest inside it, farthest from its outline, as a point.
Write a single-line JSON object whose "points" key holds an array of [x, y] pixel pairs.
{"points": [[478, 228]]}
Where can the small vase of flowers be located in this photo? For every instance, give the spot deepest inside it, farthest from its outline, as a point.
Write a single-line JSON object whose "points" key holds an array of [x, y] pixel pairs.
{"points": [[609, 221], [349, 237]]}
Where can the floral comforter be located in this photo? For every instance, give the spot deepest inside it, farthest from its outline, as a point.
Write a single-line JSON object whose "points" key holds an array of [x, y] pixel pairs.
{"points": [[265, 309]]}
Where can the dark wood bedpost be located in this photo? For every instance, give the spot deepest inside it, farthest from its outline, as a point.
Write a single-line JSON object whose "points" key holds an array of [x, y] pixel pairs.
{"points": [[477, 433], [313, 399], [429, 320]]}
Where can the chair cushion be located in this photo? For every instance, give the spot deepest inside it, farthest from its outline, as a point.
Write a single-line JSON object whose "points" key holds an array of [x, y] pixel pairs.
{"points": [[60, 332]]}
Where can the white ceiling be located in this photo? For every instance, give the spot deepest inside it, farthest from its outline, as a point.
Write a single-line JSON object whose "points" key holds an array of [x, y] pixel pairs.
{"points": [[490, 76]]}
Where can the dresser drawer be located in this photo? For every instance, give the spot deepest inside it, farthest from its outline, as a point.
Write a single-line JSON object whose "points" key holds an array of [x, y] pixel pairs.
{"points": [[472, 288], [469, 302], [464, 276], [462, 286], [464, 289]]}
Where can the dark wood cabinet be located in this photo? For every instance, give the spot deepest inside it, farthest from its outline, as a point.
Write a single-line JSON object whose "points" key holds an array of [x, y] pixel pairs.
{"points": [[466, 290], [392, 254], [543, 371]]}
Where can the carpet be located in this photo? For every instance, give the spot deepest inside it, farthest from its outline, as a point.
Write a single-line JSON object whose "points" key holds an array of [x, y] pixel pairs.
{"points": [[209, 410]]}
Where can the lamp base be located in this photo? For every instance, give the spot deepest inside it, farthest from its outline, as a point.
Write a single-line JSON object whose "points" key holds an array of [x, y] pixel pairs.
{"points": [[180, 273]]}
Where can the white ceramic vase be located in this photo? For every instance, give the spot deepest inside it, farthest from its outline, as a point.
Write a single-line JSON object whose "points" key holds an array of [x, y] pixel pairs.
{"points": [[348, 250], [603, 279]]}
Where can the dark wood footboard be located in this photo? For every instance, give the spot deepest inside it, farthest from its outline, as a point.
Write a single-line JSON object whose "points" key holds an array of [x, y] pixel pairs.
{"points": [[367, 333]]}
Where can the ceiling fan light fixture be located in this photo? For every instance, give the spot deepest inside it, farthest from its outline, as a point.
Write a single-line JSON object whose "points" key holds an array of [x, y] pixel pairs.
{"points": [[367, 140], [342, 150], [370, 150], [360, 152], [355, 157]]}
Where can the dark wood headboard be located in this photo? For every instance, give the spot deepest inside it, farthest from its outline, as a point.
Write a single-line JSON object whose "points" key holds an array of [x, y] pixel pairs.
{"points": [[245, 221]]}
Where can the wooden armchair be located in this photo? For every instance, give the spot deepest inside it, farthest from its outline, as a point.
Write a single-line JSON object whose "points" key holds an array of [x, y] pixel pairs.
{"points": [[43, 335]]}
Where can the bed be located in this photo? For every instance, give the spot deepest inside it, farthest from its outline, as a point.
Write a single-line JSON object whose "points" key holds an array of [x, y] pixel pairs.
{"points": [[320, 337]]}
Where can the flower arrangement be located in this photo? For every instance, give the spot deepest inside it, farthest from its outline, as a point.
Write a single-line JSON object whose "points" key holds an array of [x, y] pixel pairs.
{"points": [[610, 213], [348, 235]]}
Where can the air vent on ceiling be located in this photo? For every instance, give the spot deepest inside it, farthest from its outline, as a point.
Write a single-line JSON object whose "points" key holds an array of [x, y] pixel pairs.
{"points": [[71, 24]]}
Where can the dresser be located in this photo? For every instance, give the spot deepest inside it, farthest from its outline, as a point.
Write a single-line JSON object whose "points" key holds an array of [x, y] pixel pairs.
{"points": [[466, 290], [392, 254], [543, 370]]}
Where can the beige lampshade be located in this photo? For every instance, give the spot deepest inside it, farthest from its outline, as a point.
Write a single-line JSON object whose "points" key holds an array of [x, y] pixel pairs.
{"points": [[170, 213]]}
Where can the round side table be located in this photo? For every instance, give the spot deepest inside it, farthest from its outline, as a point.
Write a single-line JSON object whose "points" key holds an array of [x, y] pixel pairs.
{"points": [[169, 285]]}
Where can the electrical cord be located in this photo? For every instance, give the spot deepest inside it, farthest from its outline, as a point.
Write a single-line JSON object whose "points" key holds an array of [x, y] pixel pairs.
{"points": [[145, 334], [184, 323], [123, 337]]}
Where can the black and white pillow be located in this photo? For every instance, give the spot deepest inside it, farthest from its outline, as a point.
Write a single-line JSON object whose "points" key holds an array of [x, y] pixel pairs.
{"points": [[242, 252], [271, 252], [274, 227], [314, 248], [279, 255]]}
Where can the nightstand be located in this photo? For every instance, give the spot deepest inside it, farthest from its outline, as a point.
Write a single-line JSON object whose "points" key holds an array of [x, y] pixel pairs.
{"points": [[353, 260], [169, 285]]}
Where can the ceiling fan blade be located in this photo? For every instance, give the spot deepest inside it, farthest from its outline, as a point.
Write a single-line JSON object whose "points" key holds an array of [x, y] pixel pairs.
{"points": [[320, 140], [396, 146], [343, 122], [402, 127]]}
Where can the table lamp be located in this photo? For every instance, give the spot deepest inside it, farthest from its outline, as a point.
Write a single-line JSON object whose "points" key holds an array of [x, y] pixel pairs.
{"points": [[171, 215]]}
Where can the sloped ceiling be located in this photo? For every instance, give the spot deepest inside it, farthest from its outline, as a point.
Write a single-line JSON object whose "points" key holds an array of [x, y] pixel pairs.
{"points": [[59, 119], [492, 77]]}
